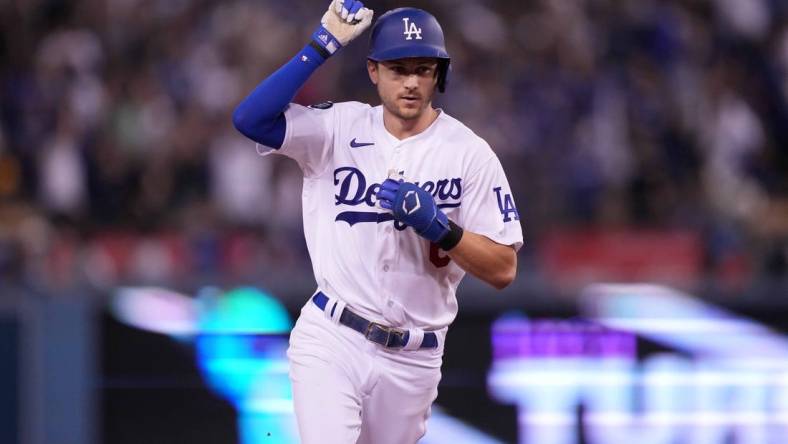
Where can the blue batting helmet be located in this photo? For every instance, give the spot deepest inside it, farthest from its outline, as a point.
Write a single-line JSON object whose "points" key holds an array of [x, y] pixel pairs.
{"points": [[409, 32]]}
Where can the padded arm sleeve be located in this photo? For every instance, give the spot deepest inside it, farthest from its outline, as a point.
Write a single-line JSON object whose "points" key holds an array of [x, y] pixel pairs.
{"points": [[260, 116]]}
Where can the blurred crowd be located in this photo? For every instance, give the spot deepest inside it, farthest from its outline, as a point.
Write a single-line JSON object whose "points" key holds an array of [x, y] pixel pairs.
{"points": [[118, 160]]}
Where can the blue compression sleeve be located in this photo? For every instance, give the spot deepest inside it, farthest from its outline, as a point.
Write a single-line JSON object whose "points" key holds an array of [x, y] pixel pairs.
{"points": [[260, 116]]}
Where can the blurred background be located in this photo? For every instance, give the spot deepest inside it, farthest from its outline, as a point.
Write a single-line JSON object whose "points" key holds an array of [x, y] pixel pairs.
{"points": [[645, 141]]}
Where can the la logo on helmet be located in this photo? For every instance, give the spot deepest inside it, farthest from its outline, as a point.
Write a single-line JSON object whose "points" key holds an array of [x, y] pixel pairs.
{"points": [[410, 30]]}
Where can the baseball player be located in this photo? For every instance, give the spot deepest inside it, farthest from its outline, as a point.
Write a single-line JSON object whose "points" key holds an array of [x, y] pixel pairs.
{"points": [[400, 200]]}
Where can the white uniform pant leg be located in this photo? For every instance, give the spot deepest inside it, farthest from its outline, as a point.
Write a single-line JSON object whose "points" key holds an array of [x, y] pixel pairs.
{"points": [[327, 374], [398, 406]]}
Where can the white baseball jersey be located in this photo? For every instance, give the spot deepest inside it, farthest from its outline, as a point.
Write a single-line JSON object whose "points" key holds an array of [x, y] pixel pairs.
{"points": [[383, 270]]}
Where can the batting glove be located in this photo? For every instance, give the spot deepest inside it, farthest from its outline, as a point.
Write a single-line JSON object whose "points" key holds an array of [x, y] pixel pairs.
{"points": [[343, 21], [414, 207]]}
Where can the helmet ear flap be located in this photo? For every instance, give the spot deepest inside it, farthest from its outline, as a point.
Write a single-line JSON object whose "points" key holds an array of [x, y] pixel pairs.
{"points": [[443, 74]]}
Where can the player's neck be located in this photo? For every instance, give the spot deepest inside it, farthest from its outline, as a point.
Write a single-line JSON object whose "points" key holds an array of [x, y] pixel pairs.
{"points": [[404, 128]]}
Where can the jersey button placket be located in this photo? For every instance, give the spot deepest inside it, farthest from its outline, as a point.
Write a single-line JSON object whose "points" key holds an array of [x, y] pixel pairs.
{"points": [[389, 250]]}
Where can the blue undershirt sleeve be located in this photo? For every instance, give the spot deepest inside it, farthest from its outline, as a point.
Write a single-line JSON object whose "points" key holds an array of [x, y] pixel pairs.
{"points": [[260, 116]]}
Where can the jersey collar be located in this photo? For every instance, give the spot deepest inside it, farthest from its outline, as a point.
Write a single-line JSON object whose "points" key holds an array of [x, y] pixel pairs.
{"points": [[396, 142]]}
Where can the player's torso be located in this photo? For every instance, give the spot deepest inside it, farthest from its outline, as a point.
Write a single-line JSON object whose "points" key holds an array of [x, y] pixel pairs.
{"points": [[384, 266], [365, 154]]}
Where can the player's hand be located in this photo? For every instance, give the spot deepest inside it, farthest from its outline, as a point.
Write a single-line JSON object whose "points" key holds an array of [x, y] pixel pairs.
{"points": [[345, 20], [414, 207]]}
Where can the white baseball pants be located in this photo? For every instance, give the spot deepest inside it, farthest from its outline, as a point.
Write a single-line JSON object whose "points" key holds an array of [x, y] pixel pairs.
{"points": [[349, 390]]}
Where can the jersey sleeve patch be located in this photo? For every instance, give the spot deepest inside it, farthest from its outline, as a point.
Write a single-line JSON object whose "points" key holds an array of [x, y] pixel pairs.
{"points": [[322, 105], [506, 205]]}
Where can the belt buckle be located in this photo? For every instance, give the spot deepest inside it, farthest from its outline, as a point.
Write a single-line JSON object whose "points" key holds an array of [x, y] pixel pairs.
{"points": [[390, 332]]}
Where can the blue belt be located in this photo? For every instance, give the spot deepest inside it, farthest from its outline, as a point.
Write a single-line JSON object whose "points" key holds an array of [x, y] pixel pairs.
{"points": [[380, 334]]}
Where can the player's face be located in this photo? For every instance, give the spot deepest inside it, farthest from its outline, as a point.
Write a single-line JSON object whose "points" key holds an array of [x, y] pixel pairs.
{"points": [[405, 86]]}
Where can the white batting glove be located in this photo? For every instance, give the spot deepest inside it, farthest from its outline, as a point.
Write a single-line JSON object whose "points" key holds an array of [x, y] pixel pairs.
{"points": [[346, 19]]}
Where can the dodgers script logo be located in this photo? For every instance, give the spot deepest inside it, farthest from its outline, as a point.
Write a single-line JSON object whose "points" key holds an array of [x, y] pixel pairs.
{"points": [[411, 29], [352, 190]]}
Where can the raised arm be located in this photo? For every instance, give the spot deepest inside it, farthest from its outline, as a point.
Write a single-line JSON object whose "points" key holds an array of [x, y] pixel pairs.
{"points": [[260, 116]]}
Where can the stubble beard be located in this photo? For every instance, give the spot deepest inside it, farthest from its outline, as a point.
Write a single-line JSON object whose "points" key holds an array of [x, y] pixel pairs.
{"points": [[404, 113]]}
